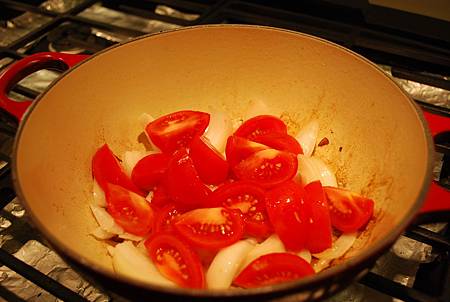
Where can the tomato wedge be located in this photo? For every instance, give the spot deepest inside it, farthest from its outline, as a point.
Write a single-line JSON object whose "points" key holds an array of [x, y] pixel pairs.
{"points": [[280, 141], [210, 228], [183, 184], [248, 198], [165, 217], [149, 170], [176, 130], [261, 125], [349, 211], [160, 196], [288, 211], [129, 210], [268, 167], [175, 260], [211, 167], [106, 169], [239, 148], [272, 269], [319, 229]]}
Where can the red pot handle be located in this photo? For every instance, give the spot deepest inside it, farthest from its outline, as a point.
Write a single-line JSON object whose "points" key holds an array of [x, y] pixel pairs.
{"points": [[438, 198], [26, 66]]}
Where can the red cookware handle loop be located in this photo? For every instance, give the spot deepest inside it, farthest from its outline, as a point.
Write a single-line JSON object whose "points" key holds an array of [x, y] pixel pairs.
{"points": [[26, 66], [438, 198]]}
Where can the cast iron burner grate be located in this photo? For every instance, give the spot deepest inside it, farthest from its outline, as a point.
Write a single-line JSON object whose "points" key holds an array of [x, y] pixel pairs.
{"points": [[418, 56]]}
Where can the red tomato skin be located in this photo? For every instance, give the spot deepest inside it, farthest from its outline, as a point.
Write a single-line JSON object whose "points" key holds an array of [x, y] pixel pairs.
{"points": [[160, 196], [189, 227], [211, 167], [349, 211], [183, 184], [185, 126], [272, 269], [149, 170], [320, 231], [288, 211], [283, 142], [268, 167], [239, 148], [162, 243], [247, 197], [106, 169], [129, 210], [261, 125]]}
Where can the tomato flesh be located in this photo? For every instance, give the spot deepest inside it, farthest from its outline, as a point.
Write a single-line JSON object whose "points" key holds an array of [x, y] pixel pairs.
{"points": [[165, 217], [349, 211], [288, 211], [272, 269], [129, 210], [211, 167], [248, 198], [210, 228], [268, 167], [279, 141], [239, 148], [183, 184], [149, 170], [175, 260], [319, 228], [176, 130], [106, 169], [261, 125]]}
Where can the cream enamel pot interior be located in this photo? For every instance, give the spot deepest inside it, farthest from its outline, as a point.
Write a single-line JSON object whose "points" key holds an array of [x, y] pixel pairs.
{"points": [[361, 111]]}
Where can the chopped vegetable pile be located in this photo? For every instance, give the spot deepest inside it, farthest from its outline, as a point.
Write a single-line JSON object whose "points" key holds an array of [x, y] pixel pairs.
{"points": [[210, 207]]}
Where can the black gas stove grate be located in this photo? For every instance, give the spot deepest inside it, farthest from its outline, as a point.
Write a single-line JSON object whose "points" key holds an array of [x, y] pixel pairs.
{"points": [[418, 57]]}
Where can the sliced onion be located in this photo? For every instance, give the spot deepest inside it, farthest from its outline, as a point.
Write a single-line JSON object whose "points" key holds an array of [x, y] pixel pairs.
{"points": [[339, 247], [337, 250], [311, 168], [99, 195], [149, 196], [99, 233], [144, 120], [307, 137], [219, 129], [105, 221], [129, 261], [256, 108], [226, 264], [128, 236], [130, 159], [272, 244], [305, 254]]}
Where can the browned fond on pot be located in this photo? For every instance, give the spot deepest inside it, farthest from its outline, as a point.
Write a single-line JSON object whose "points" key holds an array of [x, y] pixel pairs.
{"points": [[384, 147]]}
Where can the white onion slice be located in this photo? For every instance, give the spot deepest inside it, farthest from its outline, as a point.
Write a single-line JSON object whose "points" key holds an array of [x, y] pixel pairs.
{"points": [[305, 254], [130, 159], [99, 195], [273, 244], [339, 247], [313, 168], [226, 264], [256, 108], [99, 233], [337, 250], [149, 196], [219, 129], [105, 221], [129, 261], [144, 120], [307, 137], [128, 236]]}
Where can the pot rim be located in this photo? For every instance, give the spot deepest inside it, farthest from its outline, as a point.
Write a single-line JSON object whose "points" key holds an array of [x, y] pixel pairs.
{"points": [[364, 259]]}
